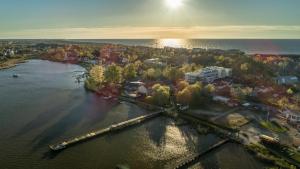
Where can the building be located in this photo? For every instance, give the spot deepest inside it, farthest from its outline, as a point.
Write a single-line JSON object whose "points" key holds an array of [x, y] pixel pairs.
{"points": [[136, 89], [154, 62], [287, 80], [291, 116], [208, 74], [9, 53]]}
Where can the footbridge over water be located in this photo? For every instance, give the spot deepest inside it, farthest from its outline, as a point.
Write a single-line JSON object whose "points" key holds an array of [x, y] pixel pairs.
{"points": [[114, 127]]}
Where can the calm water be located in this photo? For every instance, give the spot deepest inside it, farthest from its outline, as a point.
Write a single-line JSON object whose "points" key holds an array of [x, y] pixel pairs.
{"points": [[251, 46], [45, 105]]}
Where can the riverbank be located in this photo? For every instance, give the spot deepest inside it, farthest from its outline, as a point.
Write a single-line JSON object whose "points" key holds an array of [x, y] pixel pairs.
{"points": [[10, 63]]}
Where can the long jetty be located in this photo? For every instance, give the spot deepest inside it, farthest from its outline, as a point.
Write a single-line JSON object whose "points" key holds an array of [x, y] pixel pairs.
{"points": [[114, 127], [190, 159]]}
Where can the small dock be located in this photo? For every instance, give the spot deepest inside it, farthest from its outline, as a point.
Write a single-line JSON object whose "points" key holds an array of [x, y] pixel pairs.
{"points": [[115, 127], [190, 159]]}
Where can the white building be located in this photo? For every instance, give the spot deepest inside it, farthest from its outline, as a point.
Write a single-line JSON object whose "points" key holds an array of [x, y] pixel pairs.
{"points": [[221, 99], [287, 80], [154, 62], [291, 116], [208, 74]]}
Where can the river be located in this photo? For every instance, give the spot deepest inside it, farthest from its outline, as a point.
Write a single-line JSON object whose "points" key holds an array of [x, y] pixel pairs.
{"points": [[45, 105]]}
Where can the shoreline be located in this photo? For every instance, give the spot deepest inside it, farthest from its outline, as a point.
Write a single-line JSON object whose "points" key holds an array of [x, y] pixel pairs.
{"points": [[11, 63]]}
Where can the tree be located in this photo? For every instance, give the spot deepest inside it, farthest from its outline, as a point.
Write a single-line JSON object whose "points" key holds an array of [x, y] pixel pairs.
{"points": [[113, 74], [290, 91], [152, 74], [184, 96], [283, 102], [191, 95], [209, 89], [130, 72], [97, 74], [182, 85], [173, 73], [245, 67], [138, 64], [161, 95], [190, 67]]}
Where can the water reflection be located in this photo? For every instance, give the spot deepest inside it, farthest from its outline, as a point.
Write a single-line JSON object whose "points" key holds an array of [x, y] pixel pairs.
{"points": [[175, 43]]}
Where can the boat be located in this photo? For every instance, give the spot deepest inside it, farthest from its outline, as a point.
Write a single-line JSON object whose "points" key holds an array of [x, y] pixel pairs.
{"points": [[15, 75]]}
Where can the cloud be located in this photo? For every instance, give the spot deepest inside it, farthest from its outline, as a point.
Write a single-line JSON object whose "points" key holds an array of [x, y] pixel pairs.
{"points": [[247, 31]]}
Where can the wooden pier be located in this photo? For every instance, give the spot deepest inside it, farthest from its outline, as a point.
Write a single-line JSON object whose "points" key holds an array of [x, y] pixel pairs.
{"points": [[190, 159], [64, 144]]}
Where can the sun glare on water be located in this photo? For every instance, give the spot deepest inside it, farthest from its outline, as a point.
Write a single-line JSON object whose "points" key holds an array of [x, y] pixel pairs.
{"points": [[174, 3], [175, 43]]}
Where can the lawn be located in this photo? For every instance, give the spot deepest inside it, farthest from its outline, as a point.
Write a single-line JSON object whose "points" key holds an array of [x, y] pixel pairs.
{"points": [[234, 120]]}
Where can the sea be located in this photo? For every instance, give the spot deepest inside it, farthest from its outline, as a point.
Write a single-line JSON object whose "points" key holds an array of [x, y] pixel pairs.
{"points": [[250, 46]]}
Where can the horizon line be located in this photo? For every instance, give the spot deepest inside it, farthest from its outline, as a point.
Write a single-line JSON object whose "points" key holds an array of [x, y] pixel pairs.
{"points": [[135, 32]]}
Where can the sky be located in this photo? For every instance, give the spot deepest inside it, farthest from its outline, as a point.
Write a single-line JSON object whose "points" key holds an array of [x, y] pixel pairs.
{"points": [[143, 19]]}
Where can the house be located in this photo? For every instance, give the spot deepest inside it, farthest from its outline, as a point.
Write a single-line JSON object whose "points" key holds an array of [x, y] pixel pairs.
{"points": [[136, 89], [291, 116], [208, 74], [8, 53], [142, 90], [225, 100], [154, 62], [287, 80], [221, 99]]}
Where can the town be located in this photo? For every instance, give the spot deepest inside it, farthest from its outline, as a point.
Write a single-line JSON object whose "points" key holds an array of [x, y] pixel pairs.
{"points": [[257, 96]]}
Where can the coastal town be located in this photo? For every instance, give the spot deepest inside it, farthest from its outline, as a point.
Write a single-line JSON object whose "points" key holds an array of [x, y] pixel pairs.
{"points": [[251, 99]]}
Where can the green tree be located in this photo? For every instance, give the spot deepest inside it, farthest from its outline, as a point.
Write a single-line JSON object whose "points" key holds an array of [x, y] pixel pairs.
{"points": [[190, 67], [290, 91], [152, 74], [245, 67], [113, 74], [130, 72], [173, 73]]}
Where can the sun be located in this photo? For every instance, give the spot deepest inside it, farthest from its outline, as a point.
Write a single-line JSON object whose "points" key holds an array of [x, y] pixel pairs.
{"points": [[174, 3]]}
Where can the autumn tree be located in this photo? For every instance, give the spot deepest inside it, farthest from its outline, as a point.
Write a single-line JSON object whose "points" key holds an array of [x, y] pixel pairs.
{"points": [[96, 78], [152, 74], [184, 96], [191, 95], [182, 85], [209, 89], [161, 95], [97, 74], [173, 73]]}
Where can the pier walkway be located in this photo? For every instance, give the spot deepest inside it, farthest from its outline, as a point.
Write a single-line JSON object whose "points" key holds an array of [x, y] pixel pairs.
{"points": [[115, 127], [190, 159]]}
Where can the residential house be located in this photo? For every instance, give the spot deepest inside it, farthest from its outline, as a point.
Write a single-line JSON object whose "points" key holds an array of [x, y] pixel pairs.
{"points": [[136, 89], [154, 62], [291, 116], [287, 80]]}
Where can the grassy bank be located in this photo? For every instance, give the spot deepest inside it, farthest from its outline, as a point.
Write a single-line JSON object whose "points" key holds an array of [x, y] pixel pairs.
{"points": [[9, 63], [265, 155], [273, 126]]}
